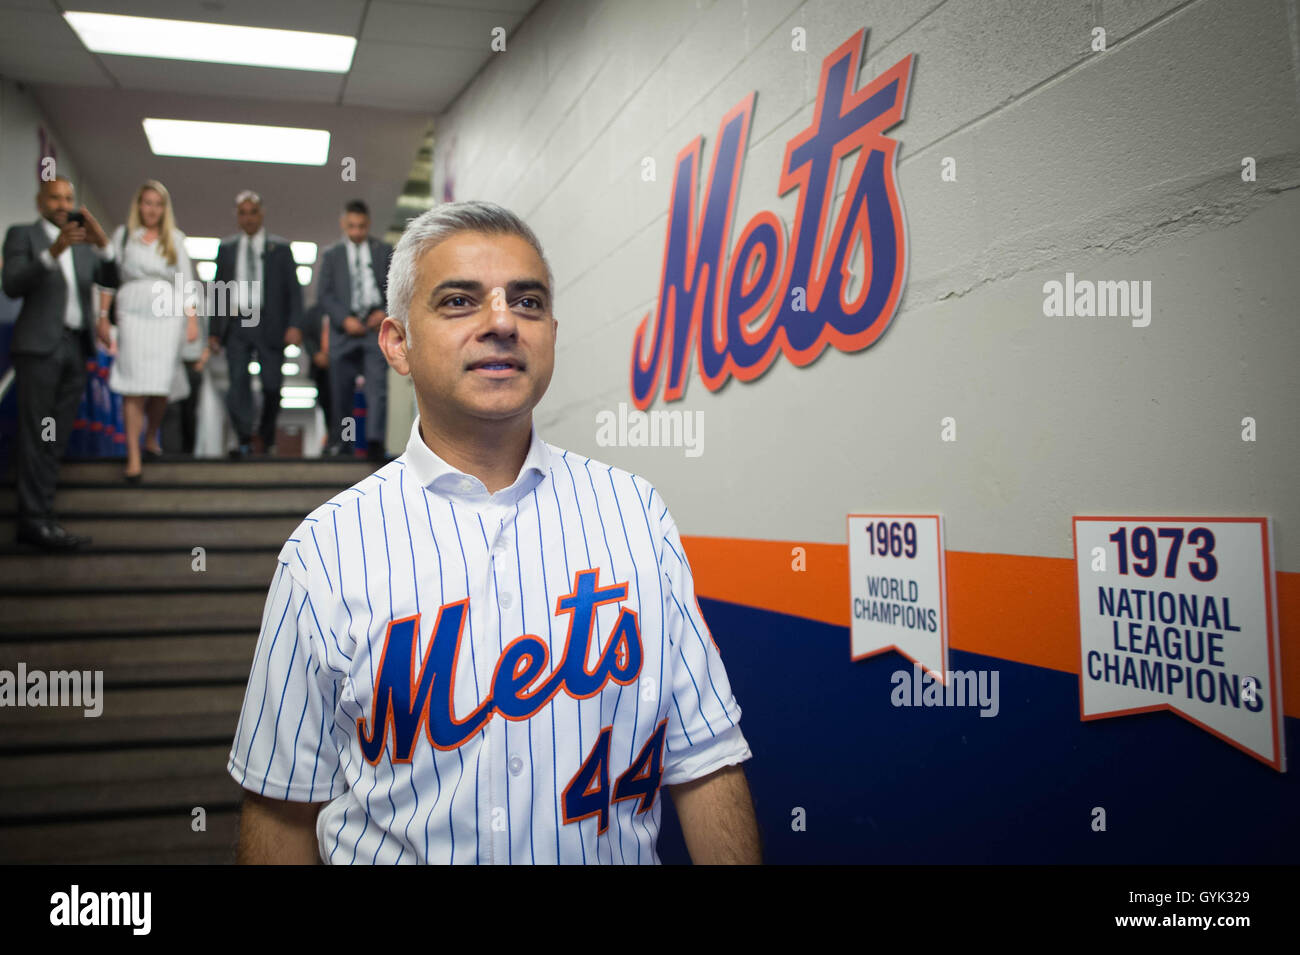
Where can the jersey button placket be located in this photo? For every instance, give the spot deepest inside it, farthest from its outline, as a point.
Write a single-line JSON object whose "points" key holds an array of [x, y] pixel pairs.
{"points": [[483, 613], [504, 574], [490, 808], [503, 565], [498, 782], [496, 628]]}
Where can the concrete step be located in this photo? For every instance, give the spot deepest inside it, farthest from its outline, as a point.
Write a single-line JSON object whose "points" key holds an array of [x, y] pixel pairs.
{"points": [[123, 614], [29, 770], [51, 573], [205, 658], [164, 838], [109, 531], [132, 717], [178, 501], [79, 785], [175, 647], [340, 473]]}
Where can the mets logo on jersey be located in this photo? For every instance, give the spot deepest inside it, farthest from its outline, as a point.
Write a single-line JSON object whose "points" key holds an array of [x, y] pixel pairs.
{"points": [[737, 314], [406, 701]]}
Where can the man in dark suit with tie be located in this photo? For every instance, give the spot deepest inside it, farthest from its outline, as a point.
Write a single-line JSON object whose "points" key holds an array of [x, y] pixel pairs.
{"points": [[354, 290], [258, 310], [51, 265]]}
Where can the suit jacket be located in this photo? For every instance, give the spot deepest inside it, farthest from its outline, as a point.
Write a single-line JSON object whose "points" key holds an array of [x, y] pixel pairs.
{"points": [[281, 293], [45, 292], [334, 289], [311, 330]]}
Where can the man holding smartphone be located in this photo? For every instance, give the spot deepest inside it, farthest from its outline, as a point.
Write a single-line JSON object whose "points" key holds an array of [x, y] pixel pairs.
{"points": [[51, 266]]}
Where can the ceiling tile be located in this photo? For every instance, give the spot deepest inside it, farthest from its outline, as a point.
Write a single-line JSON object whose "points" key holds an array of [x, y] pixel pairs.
{"points": [[384, 73], [146, 73], [31, 64], [508, 6], [37, 46], [37, 29], [435, 26]]}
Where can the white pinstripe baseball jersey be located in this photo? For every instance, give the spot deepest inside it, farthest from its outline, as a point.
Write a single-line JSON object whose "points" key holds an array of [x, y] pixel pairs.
{"points": [[472, 677]]}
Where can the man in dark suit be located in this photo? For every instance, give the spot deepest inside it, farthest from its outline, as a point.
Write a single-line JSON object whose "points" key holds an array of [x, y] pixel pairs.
{"points": [[354, 290], [316, 349], [258, 310], [51, 265]]}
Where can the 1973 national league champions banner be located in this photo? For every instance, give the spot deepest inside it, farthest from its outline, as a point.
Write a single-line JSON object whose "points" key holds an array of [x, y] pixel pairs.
{"points": [[1181, 614]]}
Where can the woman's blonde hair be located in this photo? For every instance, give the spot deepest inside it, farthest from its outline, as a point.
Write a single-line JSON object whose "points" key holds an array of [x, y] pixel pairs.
{"points": [[166, 228]]}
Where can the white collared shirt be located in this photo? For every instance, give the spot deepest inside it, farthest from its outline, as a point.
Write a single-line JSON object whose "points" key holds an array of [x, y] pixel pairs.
{"points": [[242, 276], [72, 316], [359, 260], [349, 688]]}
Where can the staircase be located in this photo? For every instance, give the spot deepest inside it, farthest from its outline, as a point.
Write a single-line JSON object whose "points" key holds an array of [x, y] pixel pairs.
{"points": [[175, 646]]}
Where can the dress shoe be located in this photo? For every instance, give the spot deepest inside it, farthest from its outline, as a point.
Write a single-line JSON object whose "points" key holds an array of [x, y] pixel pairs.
{"points": [[133, 478], [241, 453], [151, 455], [48, 535], [270, 452], [333, 451], [69, 539]]}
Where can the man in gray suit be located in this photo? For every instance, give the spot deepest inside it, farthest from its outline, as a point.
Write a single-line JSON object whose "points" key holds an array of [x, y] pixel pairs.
{"points": [[354, 291], [50, 265]]}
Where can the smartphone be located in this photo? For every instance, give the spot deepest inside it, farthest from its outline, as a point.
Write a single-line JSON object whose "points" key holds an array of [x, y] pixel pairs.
{"points": [[77, 218]]}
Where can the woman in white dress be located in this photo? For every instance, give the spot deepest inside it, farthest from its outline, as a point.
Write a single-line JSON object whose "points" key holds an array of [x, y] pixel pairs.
{"points": [[154, 322]]}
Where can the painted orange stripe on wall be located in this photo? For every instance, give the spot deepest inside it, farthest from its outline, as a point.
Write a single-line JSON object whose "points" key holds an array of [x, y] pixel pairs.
{"points": [[1012, 607]]}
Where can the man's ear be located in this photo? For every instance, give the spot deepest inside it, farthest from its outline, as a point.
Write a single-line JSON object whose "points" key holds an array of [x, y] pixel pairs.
{"points": [[394, 343]]}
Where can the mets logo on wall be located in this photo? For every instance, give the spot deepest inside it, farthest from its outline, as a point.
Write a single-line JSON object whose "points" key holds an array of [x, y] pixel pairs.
{"points": [[773, 293]]}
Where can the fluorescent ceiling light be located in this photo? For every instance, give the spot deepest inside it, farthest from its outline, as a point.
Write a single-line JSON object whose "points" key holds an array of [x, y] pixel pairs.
{"points": [[238, 141], [207, 270], [213, 42], [304, 275], [201, 248], [304, 253]]}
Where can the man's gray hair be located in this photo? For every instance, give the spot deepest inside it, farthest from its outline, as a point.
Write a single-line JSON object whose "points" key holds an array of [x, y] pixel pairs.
{"points": [[442, 222], [248, 195]]}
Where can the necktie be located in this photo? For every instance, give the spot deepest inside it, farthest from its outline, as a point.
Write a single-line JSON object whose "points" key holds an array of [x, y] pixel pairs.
{"points": [[250, 272], [358, 287]]}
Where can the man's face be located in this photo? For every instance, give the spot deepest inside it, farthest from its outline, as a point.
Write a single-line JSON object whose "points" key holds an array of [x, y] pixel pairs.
{"points": [[249, 214], [356, 226], [55, 200], [482, 342]]}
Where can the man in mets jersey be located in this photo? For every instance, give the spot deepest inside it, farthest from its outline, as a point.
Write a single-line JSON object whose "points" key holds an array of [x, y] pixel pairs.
{"points": [[490, 649]]}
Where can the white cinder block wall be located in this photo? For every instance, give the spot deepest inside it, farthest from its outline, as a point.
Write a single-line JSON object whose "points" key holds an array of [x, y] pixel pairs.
{"points": [[1116, 165]]}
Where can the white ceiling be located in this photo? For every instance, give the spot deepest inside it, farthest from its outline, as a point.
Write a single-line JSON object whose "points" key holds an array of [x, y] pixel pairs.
{"points": [[411, 55], [412, 59]]}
